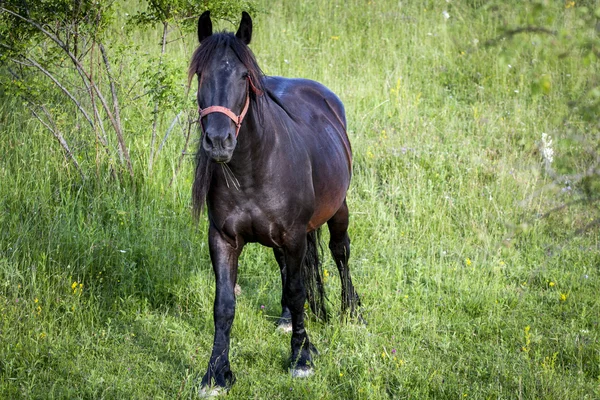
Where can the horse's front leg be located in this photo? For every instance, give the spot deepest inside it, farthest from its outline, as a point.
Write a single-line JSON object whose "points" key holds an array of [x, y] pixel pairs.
{"points": [[224, 257], [295, 297]]}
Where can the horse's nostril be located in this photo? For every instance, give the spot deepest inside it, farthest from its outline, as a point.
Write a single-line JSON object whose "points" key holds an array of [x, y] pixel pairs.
{"points": [[228, 141], [207, 142]]}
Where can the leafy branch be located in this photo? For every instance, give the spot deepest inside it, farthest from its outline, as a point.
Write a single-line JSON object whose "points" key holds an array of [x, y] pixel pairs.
{"points": [[92, 89]]}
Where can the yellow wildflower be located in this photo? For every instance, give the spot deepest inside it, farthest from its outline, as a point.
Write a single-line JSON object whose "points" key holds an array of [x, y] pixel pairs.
{"points": [[77, 288], [563, 296], [468, 262], [527, 339], [551, 284]]}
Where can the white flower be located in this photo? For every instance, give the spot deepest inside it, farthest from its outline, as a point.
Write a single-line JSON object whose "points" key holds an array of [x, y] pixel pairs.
{"points": [[445, 14], [547, 150]]}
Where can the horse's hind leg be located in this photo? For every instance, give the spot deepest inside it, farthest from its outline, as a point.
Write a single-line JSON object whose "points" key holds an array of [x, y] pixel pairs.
{"points": [[294, 294], [285, 321], [339, 244]]}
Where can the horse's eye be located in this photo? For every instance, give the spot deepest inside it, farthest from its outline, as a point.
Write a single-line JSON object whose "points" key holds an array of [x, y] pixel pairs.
{"points": [[245, 75]]}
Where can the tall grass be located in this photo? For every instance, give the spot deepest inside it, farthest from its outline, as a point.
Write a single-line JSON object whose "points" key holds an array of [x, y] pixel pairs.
{"points": [[106, 291]]}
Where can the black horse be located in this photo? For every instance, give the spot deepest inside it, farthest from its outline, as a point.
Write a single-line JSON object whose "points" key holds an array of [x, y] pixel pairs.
{"points": [[273, 165]]}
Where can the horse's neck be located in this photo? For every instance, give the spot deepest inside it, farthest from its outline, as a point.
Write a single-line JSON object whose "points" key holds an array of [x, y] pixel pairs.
{"points": [[256, 141]]}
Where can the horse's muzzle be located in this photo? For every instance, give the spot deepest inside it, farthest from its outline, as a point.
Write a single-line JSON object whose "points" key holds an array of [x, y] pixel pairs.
{"points": [[219, 148]]}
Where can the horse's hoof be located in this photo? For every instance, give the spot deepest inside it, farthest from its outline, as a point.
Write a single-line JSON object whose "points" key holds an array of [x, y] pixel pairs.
{"points": [[361, 320], [237, 290], [284, 327], [205, 391], [302, 372]]}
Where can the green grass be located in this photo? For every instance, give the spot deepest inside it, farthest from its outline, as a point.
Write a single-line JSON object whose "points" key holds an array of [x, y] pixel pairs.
{"points": [[467, 292]]}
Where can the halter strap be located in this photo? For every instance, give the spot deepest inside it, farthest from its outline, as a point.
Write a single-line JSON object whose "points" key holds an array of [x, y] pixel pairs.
{"points": [[237, 119]]}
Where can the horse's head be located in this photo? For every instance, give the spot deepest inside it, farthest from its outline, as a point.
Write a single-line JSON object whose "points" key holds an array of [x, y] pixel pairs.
{"points": [[224, 85]]}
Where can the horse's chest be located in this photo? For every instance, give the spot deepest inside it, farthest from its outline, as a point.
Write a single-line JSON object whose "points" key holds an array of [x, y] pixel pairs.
{"points": [[254, 222]]}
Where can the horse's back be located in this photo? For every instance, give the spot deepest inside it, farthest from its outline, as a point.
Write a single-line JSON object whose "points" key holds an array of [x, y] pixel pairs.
{"points": [[315, 109], [306, 97]]}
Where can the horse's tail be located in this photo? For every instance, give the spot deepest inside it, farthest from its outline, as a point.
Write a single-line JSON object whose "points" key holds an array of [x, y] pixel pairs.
{"points": [[313, 275]]}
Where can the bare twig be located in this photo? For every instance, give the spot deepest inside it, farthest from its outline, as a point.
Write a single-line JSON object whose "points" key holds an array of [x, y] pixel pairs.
{"points": [[162, 143], [59, 137], [90, 92], [155, 121], [184, 152], [101, 137], [33, 63], [55, 131], [115, 100], [586, 228], [512, 32], [76, 33], [176, 39], [139, 96], [566, 205]]}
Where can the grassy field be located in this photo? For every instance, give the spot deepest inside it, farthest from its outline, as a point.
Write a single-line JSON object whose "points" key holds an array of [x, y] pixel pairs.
{"points": [[106, 291]]}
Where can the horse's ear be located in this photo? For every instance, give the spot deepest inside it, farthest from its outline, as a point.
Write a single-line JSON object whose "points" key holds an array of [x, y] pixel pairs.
{"points": [[244, 32], [204, 26]]}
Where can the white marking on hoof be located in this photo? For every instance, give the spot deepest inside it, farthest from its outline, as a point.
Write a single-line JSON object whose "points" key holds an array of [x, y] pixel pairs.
{"points": [[205, 391], [237, 290], [302, 372], [285, 328]]}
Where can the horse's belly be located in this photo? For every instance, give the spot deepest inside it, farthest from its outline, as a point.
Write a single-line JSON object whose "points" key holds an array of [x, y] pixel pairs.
{"points": [[326, 208], [330, 180], [319, 219]]}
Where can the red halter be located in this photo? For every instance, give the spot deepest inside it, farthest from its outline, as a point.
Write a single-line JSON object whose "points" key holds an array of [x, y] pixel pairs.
{"points": [[237, 119]]}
